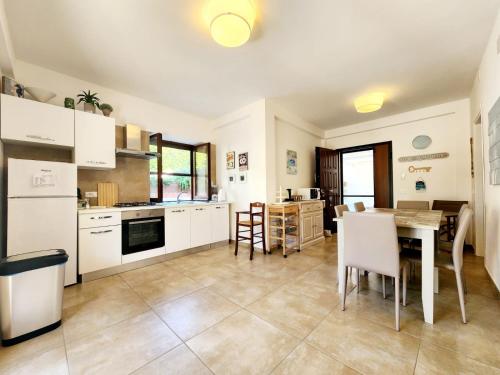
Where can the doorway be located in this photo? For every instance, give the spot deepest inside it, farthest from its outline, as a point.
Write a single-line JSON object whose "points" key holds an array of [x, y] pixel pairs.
{"points": [[366, 175]]}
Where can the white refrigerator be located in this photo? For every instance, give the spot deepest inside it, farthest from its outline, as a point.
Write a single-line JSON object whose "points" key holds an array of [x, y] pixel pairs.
{"points": [[42, 209]]}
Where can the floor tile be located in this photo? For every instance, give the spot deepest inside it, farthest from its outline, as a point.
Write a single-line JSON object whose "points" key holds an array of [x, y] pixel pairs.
{"points": [[305, 360], [154, 272], [365, 346], [178, 361], [189, 315], [51, 362], [436, 360], [295, 313], [122, 348], [166, 289], [242, 344], [210, 273], [87, 318], [80, 293]]}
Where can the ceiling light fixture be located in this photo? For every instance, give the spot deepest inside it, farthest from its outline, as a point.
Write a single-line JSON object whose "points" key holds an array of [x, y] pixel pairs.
{"points": [[370, 102], [231, 21]]}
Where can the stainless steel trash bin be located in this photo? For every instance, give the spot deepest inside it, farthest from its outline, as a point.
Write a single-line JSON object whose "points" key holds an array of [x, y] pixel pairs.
{"points": [[31, 291]]}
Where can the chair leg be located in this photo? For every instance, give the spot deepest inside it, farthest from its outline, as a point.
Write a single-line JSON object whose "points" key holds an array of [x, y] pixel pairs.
{"points": [[405, 281], [345, 289], [461, 296], [358, 280], [463, 281], [237, 239], [383, 286], [251, 243], [263, 237], [396, 302]]}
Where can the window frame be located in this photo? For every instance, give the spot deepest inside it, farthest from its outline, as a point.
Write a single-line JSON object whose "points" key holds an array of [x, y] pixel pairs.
{"points": [[160, 143]]}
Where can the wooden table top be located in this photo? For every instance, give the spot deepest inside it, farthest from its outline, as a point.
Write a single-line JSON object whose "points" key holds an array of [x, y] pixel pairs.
{"points": [[415, 219]]}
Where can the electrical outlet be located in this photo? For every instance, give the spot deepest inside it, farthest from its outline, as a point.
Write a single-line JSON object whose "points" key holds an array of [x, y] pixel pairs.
{"points": [[91, 194]]}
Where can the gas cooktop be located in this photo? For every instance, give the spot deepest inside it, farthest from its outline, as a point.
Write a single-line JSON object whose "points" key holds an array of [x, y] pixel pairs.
{"points": [[134, 204]]}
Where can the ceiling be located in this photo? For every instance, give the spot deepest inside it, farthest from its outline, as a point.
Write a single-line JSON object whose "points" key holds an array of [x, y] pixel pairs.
{"points": [[313, 57]]}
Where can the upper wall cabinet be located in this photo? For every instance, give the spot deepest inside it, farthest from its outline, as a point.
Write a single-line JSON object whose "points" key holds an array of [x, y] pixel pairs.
{"points": [[24, 120], [94, 141]]}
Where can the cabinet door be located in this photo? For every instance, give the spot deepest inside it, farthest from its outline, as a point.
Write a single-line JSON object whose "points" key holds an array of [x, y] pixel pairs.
{"points": [[201, 230], [306, 228], [220, 222], [177, 229], [94, 141], [99, 248], [318, 224], [26, 120]]}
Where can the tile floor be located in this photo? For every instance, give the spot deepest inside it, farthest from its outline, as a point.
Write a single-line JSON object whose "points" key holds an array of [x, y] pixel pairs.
{"points": [[212, 312]]}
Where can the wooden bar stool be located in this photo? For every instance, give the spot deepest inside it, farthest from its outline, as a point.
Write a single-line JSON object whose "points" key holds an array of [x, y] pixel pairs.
{"points": [[256, 218]]}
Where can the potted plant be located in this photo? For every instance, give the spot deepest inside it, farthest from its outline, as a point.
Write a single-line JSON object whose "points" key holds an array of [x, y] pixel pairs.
{"points": [[106, 109], [90, 101]]}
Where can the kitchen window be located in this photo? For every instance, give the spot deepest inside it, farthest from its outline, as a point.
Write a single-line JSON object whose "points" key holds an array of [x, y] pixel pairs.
{"points": [[182, 172]]}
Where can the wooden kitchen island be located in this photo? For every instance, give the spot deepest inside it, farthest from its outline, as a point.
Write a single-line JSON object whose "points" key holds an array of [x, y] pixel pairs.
{"points": [[293, 226]]}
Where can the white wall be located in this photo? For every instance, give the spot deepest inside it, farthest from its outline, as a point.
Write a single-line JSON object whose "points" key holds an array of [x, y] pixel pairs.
{"points": [[174, 124], [242, 131], [484, 95], [447, 125]]}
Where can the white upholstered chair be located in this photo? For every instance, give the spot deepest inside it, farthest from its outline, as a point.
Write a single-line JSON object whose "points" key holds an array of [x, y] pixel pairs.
{"points": [[371, 243], [359, 207], [340, 209]]}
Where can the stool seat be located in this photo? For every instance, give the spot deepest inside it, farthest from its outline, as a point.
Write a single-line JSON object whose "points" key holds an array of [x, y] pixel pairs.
{"points": [[248, 223]]}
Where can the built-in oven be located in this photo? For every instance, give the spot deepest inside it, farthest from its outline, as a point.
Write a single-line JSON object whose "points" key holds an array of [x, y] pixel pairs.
{"points": [[143, 230]]}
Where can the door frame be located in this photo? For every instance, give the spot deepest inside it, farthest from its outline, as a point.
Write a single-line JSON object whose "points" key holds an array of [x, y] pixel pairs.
{"points": [[480, 193], [370, 146]]}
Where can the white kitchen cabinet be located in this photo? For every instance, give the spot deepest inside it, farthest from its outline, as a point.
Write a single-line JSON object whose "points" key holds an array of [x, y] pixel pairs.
{"points": [[306, 228], [318, 224], [177, 229], [99, 248], [219, 219], [94, 141], [25, 120], [201, 227]]}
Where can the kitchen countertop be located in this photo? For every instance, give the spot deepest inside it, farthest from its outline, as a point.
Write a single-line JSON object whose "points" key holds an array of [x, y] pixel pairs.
{"points": [[93, 210]]}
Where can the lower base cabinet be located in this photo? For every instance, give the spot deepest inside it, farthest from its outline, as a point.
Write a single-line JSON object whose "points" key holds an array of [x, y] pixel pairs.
{"points": [[177, 229], [201, 226], [99, 248], [219, 219]]}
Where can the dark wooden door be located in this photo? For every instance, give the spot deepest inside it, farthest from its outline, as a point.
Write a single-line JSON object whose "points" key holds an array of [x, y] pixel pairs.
{"points": [[328, 180], [382, 172]]}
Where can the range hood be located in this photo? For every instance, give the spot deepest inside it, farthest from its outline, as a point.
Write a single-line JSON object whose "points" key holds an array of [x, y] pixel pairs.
{"points": [[133, 144]]}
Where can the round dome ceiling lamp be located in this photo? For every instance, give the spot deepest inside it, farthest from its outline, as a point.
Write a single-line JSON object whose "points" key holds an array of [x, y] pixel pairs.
{"points": [[370, 102], [231, 21]]}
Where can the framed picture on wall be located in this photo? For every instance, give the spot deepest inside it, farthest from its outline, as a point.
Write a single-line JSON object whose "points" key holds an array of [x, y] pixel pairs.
{"points": [[291, 162], [231, 178], [230, 156], [243, 161], [242, 177]]}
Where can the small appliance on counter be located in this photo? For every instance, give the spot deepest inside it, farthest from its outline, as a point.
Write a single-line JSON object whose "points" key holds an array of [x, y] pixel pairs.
{"points": [[309, 193]]}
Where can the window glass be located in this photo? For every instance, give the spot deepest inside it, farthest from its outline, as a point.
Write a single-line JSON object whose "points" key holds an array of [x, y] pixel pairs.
{"points": [[357, 178], [176, 160], [176, 186]]}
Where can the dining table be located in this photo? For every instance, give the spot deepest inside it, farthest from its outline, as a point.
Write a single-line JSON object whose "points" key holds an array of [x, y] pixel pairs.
{"points": [[410, 223]]}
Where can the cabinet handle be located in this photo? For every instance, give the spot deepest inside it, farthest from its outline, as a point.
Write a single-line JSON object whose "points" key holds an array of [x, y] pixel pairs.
{"points": [[177, 211], [39, 137], [144, 221], [217, 207], [199, 209], [101, 217], [96, 162], [102, 231]]}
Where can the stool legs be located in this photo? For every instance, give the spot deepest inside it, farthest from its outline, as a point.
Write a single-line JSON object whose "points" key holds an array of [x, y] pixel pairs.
{"points": [[237, 234]]}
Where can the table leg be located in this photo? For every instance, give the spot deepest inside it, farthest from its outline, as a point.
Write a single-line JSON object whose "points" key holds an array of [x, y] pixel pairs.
{"points": [[428, 274], [340, 255]]}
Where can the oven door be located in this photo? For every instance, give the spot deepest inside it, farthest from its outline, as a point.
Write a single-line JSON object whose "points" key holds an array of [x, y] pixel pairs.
{"points": [[142, 234]]}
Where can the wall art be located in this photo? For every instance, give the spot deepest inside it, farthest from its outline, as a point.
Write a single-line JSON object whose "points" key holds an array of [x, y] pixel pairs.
{"points": [[420, 186], [494, 138], [243, 161], [230, 156], [291, 162], [413, 169], [439, 155], [231, 178], [421, 142], [242, 177]]}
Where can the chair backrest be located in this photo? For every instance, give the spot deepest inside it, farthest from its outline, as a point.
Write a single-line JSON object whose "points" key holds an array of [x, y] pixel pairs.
{"points": [[450, 206], [257, 209], [359, 207], [460, 213], [340, 209], [415, 205], [371, 242], [458, 240]]}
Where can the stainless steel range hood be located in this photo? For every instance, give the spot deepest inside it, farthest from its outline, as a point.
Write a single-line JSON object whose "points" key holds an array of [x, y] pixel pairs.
{"points": [[133, 146]]}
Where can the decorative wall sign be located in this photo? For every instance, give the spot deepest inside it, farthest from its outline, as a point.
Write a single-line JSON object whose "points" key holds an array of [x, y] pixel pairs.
{"points": [[243, 161], [231, 178], [421, 142], [230, 156], [420, 186], [291, 162], [494, 137], [242, 178], [413, 169], [439, 155]]}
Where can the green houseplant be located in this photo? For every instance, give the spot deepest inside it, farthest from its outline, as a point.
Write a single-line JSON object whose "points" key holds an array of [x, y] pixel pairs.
{"points": [[90, 101], [106, 109]]}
